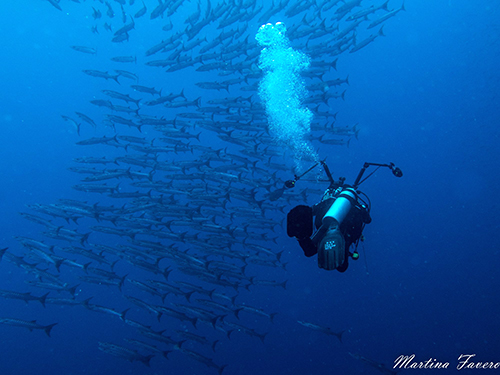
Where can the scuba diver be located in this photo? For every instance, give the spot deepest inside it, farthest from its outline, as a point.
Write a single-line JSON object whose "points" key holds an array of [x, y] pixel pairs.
{"points": [[340, 218]]}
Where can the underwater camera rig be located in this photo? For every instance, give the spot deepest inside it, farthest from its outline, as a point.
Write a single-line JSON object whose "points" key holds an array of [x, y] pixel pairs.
{"points": [[340, 218]]}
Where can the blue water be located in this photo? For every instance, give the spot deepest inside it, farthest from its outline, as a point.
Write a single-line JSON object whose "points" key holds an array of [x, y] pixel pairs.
{"points": [[425, 97]]}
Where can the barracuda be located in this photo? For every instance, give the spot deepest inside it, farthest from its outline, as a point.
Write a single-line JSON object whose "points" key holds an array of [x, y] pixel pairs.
{"points": [[31, 325]]}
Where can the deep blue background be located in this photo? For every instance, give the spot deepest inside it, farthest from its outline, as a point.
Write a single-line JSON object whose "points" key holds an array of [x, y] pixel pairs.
{"points": [[426, 98]]}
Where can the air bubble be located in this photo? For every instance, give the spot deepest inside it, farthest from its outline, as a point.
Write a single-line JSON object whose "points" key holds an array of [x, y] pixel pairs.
{"points": [[282, 90]]}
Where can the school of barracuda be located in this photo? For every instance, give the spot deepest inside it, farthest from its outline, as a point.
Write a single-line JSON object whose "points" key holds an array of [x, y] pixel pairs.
{"points": [[191, 176]]}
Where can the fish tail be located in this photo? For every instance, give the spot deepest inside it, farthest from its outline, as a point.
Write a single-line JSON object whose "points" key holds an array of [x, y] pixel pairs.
{"points": [[42, 299], [48, 328], [72, 290], [57, 264], [122, 315], [146, 359], [214, 344], [339, 335], [2, 252], [271, 317]]}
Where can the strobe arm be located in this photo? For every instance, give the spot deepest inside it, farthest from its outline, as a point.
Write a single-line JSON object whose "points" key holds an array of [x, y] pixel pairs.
{"points": [[291, 183], [395, 171], [327, 171]]}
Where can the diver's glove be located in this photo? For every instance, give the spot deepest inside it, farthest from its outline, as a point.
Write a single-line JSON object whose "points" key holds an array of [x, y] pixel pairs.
{"points": [[331, 249]]}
